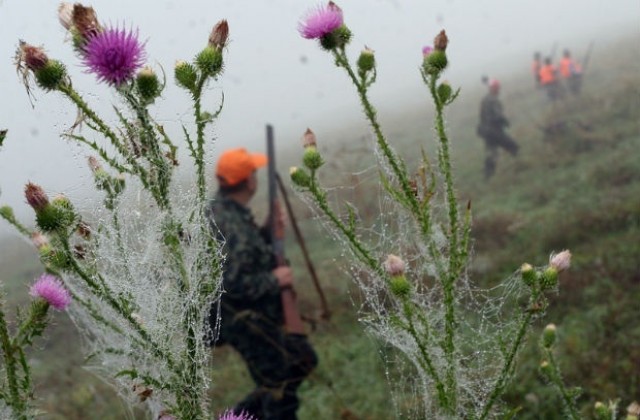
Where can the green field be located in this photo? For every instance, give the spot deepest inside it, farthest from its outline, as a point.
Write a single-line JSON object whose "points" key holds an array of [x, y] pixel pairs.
{"points": [[575, 185]]}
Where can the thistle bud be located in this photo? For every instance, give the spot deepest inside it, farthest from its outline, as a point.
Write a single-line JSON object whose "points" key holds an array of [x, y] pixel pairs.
{"points": [[560, 261], [602, 411], [39, 240], [444, 92], [549, 278], [84, 230], [394, 265], [51, 75], [94, 164], [343, 35], [57, 215], [441, 41], [65, 15], [209, 61], [309, 139], [299, 177], [7, 213], [400, 287], [147, 84], [529, 275], [312, 158], [549, 336], [85, 21], [62, 200], [219, 35], [546, 369], [36, 197], [51, 218], [185, 75], [633, 411], [33, 57], [366, 61], [338, 38], [435, 62]]}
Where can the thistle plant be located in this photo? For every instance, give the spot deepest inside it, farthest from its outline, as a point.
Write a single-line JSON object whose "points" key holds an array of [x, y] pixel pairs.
{"points": [[16, 386], [550, 369], [411, 263], [141, 267]]}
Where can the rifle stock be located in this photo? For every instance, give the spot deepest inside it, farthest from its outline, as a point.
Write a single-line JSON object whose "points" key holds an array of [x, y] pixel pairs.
{"points": [[292, 319]]}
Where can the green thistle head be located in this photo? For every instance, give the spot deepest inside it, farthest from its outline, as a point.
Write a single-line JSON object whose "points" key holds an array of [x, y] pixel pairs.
{"points": [[147, 84], [444, 92], [311, 158], [435, 62], [51, 75], [366, 61], [549, 336], [209, 61], [336, 39], [299, 177], [549, 278], [185, 74], [400, 286], [529, 274]]}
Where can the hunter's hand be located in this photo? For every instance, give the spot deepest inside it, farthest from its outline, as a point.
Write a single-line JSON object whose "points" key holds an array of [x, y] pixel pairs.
{"points": [[284, 274]]}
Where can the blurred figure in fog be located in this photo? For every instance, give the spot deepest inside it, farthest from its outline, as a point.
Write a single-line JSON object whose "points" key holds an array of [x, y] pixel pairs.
{"points": [[571, 72], [548, 75], [491, 129], [536, 65]]}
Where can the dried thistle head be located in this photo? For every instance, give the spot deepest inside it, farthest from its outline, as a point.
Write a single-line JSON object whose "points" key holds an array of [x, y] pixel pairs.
{"points": [[309, 139], [441, 41], [65, 15], [219, 35], [85, 20]]}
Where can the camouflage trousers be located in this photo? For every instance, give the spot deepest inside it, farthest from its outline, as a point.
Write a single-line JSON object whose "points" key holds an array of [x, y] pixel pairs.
{"points": [[496, 140], [277, 362]]}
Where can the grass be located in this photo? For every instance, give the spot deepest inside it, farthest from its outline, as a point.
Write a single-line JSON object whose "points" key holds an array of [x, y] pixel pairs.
{"points": [[577, 187]]}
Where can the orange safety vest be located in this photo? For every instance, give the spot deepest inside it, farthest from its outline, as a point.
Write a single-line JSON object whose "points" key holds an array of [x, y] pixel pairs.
{"points": [[568, 67], [535, 68], [547, 74]]}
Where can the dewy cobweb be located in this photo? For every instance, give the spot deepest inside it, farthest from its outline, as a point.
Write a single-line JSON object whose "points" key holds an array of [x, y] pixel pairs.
{"points": [[129, 253], [387, 227]]}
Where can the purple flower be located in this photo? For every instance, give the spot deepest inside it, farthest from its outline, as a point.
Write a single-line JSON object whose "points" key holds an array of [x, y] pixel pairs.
{"points": [[114, 55], [230, 415], [426, 51], [50, 288], [321, 21]]}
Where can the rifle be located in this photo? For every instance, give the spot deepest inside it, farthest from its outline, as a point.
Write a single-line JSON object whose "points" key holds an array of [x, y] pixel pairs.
{"points": [[325, 313], [587, 56], [292, 319]]}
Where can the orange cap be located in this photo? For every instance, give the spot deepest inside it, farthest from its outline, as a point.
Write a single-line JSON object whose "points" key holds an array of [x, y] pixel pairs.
{"points": [[236, 165]]}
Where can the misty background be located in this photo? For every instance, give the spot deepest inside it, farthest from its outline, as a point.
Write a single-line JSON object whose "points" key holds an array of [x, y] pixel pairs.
{"points": [[272, 75]]}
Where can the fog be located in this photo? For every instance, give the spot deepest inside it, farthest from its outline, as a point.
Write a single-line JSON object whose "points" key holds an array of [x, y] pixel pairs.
{"points": [[272, 74]]}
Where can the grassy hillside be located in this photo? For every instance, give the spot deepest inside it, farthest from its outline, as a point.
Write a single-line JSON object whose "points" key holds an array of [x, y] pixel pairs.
{"points": [[575, 184]]}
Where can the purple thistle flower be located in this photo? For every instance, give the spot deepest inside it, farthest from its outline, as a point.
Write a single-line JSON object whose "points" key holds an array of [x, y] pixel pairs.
{"points": [[426, 51], [114, 55], [230, 415], [50, 288], [321, 21]]}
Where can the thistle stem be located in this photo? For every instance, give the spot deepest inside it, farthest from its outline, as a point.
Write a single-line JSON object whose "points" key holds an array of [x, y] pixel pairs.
{"points": [[16, 401]]}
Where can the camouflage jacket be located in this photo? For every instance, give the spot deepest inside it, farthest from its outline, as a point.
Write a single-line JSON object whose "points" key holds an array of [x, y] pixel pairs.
{"points": [[249, 286], [492, 118]]}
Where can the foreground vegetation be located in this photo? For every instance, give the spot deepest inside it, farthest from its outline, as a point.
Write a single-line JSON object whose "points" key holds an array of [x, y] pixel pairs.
{"points": [[575, 186]]}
